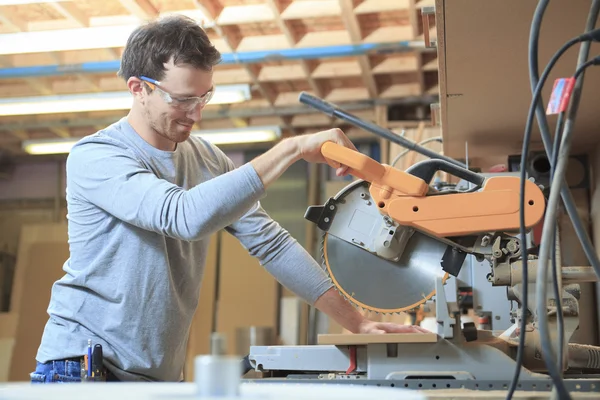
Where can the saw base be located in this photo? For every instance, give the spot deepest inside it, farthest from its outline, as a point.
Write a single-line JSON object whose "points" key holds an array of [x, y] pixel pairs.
{"points": [[443, 365]]}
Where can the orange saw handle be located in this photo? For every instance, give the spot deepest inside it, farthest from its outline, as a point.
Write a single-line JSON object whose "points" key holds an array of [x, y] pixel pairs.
{"points": [[359, 165], [369, 170]]}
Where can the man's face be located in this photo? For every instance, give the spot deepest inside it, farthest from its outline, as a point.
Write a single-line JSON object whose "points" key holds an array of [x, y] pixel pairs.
{"points": [[170, 120]]}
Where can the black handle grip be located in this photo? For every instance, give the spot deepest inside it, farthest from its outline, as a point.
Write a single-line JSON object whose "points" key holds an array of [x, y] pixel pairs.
{"points": [[426, 170]]}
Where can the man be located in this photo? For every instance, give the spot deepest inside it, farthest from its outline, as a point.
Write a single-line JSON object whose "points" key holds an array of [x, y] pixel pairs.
{"points": [[143, 199]]}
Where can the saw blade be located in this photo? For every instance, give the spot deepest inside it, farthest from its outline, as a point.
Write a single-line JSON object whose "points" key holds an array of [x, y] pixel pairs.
{"points": [[381, 285]]}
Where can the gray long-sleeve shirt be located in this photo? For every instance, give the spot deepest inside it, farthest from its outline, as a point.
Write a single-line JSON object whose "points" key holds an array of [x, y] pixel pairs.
{"points": [[139, 222]]}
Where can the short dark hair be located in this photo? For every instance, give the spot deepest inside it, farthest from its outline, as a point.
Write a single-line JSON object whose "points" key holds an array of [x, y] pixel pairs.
{"points": [[153, 44]]}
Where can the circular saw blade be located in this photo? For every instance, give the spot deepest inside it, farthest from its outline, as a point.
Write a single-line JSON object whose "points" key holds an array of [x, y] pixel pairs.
{"points": [[381, 285]]}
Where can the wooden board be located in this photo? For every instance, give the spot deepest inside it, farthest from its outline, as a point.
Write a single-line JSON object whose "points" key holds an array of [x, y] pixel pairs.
{"points": [[484, 76], [247, 293], [8, 325], [356, 339], [202, 324], [45, 267]]}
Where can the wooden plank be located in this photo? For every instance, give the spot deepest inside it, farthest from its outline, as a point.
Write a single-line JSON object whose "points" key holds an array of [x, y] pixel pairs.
{"points": [[245, 14], [203, 321], [368, 338], [143, 9], [31, 234], [379, 6], [43, 269], [241, 278], [311, 9]]}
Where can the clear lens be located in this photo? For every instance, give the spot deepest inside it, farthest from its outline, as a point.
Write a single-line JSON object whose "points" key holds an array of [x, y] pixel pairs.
{"points": [[185, 104]]}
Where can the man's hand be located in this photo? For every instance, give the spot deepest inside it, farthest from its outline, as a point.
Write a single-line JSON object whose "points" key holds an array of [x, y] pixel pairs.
{"points": [[270, 165], [338, 308], [309, 147], [387, 327]]}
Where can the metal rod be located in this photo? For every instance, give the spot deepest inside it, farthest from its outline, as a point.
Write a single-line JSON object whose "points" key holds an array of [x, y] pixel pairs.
{"points": [[334, 111], [570, 274]]}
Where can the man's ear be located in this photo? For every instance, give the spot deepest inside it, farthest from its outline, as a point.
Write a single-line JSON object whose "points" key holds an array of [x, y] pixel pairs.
{"points": [[136, 88]]}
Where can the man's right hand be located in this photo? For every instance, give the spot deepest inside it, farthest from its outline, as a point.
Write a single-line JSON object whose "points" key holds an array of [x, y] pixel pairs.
{"points": [[309, 147], [274, 162]]}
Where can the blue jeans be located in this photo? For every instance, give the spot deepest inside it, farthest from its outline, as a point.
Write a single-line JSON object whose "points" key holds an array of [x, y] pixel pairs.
{"points": [[62, 371]]}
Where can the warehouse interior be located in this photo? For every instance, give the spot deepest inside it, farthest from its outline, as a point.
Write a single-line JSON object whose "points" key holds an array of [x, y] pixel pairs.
{"points": [[437, 97]]}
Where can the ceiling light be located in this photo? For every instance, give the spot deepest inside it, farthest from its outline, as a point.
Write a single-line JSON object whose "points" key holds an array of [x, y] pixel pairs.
{"points": [[48, 146], [107, 101], [259, 134], [243, 135], [21, 2]]}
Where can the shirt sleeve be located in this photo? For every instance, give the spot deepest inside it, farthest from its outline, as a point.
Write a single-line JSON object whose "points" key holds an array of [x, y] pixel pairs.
{"points": [[102, 171], [278, 252]]}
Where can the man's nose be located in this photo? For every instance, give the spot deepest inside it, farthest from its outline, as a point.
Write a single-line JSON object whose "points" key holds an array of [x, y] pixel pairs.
{"points": [[196, 113]]}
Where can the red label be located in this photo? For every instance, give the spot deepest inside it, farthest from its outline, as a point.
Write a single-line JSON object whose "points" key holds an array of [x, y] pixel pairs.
{"points": [[561, 93]]}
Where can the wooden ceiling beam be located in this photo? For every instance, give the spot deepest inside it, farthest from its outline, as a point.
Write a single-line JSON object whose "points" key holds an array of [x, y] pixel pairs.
{"points": [[60, 132], [353, 27], [13, 22], [291, 38], [212, 14], [20, 134], [71, 12], [143, 9], [308, 9]]}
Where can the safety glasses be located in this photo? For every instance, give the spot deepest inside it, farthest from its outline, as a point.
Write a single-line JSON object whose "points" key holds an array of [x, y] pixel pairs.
{"points": [[181, 103]]}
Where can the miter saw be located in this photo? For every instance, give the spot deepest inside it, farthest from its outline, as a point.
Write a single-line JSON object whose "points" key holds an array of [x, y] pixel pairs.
{"points": [[390, 243]]}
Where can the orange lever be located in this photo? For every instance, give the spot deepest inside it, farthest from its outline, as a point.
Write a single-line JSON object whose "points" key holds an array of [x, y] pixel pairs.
{"points": [[360, 165], [379, 175]]}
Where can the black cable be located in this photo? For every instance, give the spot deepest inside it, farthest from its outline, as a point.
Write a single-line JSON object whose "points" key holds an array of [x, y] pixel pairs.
{"points": [[525, 150], [560, 324], [584, 66], [560, 320], [595, 35], [550, 230], [533, 68], [569, 203]]}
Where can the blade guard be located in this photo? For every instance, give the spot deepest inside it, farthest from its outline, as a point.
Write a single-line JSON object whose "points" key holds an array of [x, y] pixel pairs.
{"points": [[403, 197]]}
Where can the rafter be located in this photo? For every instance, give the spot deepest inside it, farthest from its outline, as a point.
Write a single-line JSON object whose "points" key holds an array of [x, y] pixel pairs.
{"points": [[61, 132], [211, 16], [20, 134], [353, 27], [13, 22], [290, 37], [143, 9], [71, 12]]}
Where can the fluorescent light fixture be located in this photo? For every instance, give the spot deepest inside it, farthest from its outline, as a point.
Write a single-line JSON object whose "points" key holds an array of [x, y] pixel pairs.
{"points": [[258, 134], [48, 146], [107, 101], [21, 2], [100, 37]]}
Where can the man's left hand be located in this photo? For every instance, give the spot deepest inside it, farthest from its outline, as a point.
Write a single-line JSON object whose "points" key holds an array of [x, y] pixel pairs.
{"points": [[389, 327]]}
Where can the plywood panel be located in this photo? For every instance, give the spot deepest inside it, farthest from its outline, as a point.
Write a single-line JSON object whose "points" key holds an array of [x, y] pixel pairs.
{"points": [[8, 325], [248, 294], [31, 234], [202, 324], [486, 94], [44, 267]]}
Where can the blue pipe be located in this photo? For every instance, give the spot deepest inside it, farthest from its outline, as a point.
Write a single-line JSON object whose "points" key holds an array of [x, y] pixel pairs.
{"points": [[227, 58]]}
